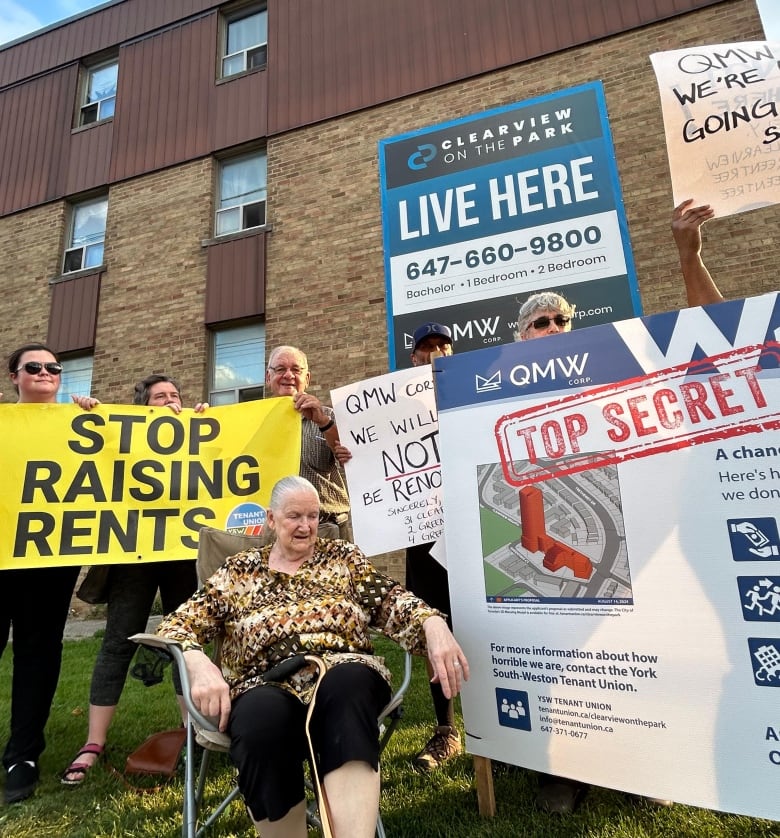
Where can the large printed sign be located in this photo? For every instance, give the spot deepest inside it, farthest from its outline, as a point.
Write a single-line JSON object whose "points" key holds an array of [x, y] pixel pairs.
{"points": [[481, 212], [389, 423], [614, 552], [720, 107], [122, 484]]}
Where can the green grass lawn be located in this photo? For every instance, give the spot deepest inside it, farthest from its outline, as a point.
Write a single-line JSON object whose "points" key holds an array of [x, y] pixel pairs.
{"points": [[442, 804]]}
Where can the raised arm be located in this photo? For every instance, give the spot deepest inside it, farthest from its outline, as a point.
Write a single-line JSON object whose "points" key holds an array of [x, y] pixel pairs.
{"points": [[700, 287]]}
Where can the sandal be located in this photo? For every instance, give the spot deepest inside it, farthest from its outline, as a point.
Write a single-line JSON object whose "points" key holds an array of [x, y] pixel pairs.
{"points": [[80, 768]]}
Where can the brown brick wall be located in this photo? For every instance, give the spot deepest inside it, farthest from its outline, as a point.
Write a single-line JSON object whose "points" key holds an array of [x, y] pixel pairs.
{"points": [[325, 274], [30, 254], [325, 282], [152, 294]]}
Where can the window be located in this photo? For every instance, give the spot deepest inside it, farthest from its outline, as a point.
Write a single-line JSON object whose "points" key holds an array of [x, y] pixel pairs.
{"points": [[242, 193], [76, 378], [87, 233], [238, 365], [246, 43], [99, 93]]}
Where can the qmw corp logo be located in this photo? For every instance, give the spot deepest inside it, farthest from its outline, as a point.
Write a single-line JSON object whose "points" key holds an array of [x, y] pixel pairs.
{"points": [[479, 329], [422, 157], [570, 370]]}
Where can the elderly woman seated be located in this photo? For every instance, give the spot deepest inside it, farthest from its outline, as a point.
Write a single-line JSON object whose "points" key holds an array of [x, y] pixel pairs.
{"points": [[305, 594]]}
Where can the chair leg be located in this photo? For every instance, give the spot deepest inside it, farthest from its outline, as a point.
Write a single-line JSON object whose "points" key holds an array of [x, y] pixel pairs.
{"points": [[189, 807]]}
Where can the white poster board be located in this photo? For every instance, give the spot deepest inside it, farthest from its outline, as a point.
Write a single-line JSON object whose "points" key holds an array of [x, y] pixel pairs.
{"points": [[613, 552], [390, 425], [720, 108]]}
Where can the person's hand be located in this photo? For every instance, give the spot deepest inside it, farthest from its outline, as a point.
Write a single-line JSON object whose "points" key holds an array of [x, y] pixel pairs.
{"points": [[201, 407], [686, 226], [84, 402], [311, 408], [341, 453], [209, 690], [450, 666]]}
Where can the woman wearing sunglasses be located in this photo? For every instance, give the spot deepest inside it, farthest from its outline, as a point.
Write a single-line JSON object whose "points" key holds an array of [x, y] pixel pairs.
{"points": [[35, 602]]}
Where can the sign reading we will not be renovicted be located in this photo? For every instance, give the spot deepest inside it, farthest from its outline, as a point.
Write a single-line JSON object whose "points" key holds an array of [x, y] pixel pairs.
{"points": [[127, 483], [390, 425]]}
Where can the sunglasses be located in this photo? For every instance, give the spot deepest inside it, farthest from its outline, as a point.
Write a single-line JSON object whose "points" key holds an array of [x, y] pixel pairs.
{"points": [[544, 321], [34, 367]]}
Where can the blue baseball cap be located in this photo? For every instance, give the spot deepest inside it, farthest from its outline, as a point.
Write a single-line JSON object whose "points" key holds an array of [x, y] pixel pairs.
{"points": [[428, 329]]}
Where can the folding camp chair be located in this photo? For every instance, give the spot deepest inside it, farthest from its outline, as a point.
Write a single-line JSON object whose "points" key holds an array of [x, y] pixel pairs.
{"points": [[203, 737]]}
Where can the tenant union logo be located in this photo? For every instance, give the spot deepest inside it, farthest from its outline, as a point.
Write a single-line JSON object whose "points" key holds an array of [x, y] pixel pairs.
{"points": [[489, 384], [422, 157]]}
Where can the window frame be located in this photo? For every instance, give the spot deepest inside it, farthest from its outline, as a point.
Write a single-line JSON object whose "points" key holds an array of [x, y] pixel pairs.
{"points": [[244, 392], [233, 16], [70, 367], [71, 248], [244, 208], [86, 76]]}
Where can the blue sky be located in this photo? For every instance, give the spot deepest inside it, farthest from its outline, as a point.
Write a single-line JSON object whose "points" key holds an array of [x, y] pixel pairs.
{"points": [[20, 17]]}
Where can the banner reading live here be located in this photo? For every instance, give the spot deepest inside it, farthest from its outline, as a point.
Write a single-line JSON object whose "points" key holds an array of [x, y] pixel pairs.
{"points": [[122, 484], [613, 546]]}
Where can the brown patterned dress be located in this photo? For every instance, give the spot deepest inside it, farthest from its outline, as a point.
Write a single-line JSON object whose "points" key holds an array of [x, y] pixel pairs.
{"points": [[327, 607]]}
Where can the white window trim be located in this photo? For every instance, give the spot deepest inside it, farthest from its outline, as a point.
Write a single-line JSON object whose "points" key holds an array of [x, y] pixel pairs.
{"points": [[235, 17], [88, 71], [84, 248], [242, 206]]}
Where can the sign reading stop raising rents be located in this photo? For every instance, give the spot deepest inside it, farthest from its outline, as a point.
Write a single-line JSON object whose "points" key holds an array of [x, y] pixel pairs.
{"points": [[721, 108], [126, 484], [613, 547]]}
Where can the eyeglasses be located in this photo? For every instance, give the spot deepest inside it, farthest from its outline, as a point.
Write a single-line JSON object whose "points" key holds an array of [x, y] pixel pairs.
{"points": [[285, 370], [34, 367], [544, 321]]}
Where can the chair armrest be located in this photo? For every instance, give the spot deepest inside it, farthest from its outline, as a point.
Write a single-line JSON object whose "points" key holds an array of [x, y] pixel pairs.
{"points": [[173, 647], [398, 696]]}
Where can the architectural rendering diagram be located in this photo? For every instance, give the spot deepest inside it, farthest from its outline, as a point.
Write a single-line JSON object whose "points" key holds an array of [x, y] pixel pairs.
{"points": [[558, 540]]}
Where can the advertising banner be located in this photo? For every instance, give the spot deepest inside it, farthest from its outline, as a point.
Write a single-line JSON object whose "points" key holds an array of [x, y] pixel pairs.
{"points": [[720, 107], [389, 423], [480, 212], [127, 484], [613, 552]]}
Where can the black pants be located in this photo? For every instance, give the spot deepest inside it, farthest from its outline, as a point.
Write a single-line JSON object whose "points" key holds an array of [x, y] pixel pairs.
{"points": [[268, 737], [427, 579], [131, 593], [36, 603]]}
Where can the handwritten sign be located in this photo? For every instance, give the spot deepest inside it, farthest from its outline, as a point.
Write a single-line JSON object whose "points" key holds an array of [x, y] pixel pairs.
{"points": [[720, 108], [390, 425]]}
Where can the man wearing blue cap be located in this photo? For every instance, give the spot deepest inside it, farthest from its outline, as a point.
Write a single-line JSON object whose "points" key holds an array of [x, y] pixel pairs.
{"points": [[427, 579]]}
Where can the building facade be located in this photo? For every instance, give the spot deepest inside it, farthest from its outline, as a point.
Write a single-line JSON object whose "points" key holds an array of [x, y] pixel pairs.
{"points": [[187, 183]]}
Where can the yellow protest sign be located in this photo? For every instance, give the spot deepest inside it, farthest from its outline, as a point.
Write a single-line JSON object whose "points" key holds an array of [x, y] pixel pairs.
{"points": [[123, 483]]}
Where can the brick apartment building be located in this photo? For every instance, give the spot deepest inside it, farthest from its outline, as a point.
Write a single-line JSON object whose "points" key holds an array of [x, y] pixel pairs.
{"points": [[186, 183]]}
